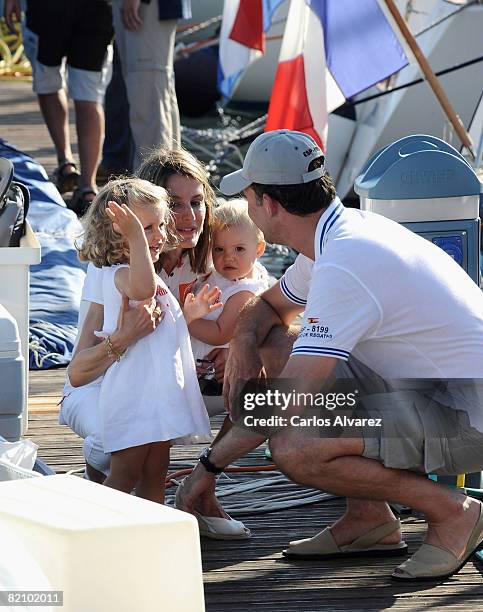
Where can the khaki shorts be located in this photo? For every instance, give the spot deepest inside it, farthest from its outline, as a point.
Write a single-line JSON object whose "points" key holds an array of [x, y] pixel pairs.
{"points": [[421, 435], [417, 432]]}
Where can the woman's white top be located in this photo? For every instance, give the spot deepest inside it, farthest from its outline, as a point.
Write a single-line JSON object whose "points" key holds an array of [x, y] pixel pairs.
{"points": [[229, 288], [180, 279], [152, 393], [91, 292]]}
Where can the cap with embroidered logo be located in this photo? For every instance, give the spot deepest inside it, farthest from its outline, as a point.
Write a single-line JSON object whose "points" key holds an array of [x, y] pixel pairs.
{"points": [[281, 157]]}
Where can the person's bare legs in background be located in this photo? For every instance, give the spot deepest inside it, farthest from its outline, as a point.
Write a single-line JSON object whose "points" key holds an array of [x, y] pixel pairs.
{"points": [[90, 133], [55, 111], [90, 136]]}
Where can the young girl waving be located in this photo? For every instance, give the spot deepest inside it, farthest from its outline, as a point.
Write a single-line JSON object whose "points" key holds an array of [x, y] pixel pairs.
{"points": [[150, 395]]}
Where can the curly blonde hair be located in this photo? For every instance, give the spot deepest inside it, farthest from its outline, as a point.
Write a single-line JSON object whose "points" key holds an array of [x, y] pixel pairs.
{"points": [[101, 244], [234, 213], [163, 163]]}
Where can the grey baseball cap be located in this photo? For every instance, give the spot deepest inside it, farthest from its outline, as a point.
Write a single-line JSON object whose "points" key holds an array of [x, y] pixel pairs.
{"points": [[281, 157]]}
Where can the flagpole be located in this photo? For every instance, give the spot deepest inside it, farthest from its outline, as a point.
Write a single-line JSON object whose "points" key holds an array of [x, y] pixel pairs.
{"points": [[431, 78]]}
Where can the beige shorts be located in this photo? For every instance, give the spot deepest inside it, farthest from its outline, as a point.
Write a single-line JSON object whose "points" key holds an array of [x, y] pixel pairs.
{"points": [[422, 435], [417, 432]]}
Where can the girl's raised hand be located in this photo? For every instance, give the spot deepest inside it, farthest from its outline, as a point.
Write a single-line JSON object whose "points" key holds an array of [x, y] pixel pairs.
{"points": [[201, 304], [125, 222]]}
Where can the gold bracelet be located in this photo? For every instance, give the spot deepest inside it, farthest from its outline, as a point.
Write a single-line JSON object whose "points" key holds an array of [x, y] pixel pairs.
{"points": [[111, 353]]}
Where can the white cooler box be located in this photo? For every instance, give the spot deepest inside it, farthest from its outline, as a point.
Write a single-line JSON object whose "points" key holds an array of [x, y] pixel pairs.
{"points": [[100, 550], [12, 378]]}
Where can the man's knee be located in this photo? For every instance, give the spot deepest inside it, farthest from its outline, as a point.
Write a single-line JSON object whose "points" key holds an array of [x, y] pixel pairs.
{"points": [[302, 458], [283, 453], [296, 457]]}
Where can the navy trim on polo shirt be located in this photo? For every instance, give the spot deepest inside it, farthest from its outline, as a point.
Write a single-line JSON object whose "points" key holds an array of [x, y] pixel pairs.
{"points": [[332, 218], [324, 351], [291, 296]]}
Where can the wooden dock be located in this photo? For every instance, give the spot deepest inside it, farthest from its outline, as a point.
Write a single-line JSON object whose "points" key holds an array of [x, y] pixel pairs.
{"points": [[240, 576]]}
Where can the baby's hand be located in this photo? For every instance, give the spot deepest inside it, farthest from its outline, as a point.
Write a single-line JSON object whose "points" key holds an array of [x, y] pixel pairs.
{"points": [[125, 222], [196, 307]]}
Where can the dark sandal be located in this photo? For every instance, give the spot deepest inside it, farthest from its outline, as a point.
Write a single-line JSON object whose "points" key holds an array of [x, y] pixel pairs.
{"points": [[66, 180], [80, 202]]}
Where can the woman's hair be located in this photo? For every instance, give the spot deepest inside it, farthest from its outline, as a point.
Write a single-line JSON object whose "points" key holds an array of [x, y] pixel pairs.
{"points": [[101, 244], [162, 164], [234, 213]]}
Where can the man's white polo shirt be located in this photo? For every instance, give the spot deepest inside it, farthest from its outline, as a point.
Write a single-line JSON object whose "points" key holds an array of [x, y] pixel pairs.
{"points": [[392, 299]]}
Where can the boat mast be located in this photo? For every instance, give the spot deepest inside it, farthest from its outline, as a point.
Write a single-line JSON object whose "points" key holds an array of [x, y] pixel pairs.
{"points": [[431, 78]]}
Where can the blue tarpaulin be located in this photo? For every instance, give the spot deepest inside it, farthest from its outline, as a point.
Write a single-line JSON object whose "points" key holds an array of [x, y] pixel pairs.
{"points": [[55, 283]]}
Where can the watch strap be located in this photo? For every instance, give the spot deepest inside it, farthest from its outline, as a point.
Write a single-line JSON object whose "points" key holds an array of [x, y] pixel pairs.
{"points": [[208, 465]]}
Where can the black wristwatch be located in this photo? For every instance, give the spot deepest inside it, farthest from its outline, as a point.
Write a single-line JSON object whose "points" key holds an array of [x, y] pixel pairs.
{"points": [[206, 463]]}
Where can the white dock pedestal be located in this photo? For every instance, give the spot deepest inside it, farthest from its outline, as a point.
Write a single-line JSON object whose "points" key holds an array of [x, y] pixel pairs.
{"points": [[15, 264], [105, 550]]}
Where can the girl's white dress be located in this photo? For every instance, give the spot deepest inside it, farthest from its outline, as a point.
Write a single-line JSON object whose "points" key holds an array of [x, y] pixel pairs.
{"points": [[152, 393]]}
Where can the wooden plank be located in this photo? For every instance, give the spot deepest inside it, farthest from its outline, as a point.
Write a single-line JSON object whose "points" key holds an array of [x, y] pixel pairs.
{"points": [[46, 383], [45, 390], [43, 404]]}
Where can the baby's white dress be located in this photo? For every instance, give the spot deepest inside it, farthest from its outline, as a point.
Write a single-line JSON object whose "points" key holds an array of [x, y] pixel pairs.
{"points": [[152, 393], [257, 284]]}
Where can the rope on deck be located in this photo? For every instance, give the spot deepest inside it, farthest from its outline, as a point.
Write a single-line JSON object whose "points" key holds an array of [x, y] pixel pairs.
{"points": [[280, 493]]}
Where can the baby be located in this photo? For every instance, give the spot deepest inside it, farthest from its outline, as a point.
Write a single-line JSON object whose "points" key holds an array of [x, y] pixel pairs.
{"points": [[237, 243]]}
